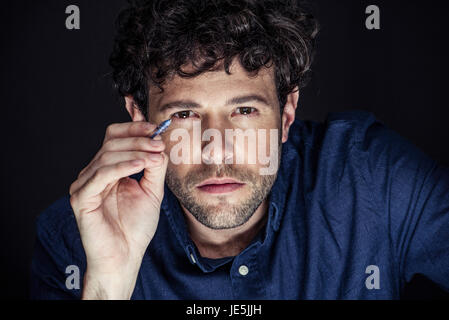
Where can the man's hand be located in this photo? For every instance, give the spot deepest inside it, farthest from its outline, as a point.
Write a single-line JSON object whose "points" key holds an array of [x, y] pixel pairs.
{"points": [[117, 216]]}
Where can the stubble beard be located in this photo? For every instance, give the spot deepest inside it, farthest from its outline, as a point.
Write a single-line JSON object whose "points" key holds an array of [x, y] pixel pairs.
{"points": [[221, 215]]}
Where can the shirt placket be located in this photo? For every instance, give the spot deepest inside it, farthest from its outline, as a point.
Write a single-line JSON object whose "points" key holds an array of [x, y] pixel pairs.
{"points": [[245, 275]]}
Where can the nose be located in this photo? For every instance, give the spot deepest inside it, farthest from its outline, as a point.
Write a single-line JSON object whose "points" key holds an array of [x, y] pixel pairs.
{"points": [[215, 153], [216, 149]]}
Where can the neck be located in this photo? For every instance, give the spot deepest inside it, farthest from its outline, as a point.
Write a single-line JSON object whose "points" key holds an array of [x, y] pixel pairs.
{"points": [[215, 244]]}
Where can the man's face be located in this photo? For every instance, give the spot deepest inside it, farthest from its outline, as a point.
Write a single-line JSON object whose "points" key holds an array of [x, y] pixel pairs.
{"points": [[219, 192]]}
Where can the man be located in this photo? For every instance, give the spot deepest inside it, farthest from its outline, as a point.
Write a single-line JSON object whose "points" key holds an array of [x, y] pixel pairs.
{"points": [[350, 211]]}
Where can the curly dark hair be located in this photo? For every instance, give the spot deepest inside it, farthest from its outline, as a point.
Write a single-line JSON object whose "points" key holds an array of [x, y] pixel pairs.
{"points": [[157, 38]]}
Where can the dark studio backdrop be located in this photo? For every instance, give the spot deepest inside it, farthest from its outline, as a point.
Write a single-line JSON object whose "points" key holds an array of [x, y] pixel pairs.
{"points": [[57, 98]]}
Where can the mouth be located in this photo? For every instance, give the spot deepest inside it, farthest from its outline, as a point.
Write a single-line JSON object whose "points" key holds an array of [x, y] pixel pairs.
{"points": [[219, 186]]}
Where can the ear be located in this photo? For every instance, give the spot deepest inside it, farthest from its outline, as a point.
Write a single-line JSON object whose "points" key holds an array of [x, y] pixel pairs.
{"points": [[288, 116], [133, 110]]}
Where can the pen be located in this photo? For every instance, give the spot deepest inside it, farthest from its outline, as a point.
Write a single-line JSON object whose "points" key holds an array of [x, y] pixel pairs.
{"points": [[161, 128]]}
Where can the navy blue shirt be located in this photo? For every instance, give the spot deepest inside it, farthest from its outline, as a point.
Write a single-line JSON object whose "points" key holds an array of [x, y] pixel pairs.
{"points": [[354, 213]]}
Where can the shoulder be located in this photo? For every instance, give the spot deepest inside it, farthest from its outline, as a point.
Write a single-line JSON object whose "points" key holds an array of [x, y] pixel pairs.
{"points": [[357, 142], [353, 132], [346, 126], [350, 125]]}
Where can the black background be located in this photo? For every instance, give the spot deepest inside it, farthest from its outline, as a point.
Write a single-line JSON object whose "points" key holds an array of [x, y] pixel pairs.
{"points": [[57, 98]]}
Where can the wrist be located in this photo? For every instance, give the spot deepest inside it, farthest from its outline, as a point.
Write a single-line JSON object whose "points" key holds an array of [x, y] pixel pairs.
{"points": [[110, 283]]}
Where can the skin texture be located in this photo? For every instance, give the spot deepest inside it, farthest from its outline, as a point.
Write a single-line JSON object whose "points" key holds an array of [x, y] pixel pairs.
{"points": [[117, 216], [220, 224]]}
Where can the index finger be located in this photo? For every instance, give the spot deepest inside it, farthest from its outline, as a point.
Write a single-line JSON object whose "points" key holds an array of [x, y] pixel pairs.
{"points": [[129, 129]]}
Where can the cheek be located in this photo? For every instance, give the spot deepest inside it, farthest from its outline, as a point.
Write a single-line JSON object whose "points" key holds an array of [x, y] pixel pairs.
{"points": [[178, 171], [182, 148], [257, 149], [186, 124]]}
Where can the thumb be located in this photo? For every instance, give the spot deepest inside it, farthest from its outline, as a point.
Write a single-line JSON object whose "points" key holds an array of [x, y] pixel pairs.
{"points": [[153, 179]]}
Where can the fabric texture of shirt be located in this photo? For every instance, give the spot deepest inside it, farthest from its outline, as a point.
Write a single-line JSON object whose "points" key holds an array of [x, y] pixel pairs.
{"points": [[351, 195]]}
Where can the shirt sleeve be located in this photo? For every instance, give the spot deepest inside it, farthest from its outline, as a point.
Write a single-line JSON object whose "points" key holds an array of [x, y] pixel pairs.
{"points": [[412, 190], [427, 251], [51, 256]]}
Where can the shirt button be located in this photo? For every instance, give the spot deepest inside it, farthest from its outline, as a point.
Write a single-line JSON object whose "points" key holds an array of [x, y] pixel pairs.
{"points": [[243, 270], [193, 259]]}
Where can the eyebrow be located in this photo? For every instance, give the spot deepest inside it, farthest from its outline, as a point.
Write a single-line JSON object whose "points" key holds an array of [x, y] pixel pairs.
{"points": [[186, 104], [181, 104], [248, 98]]}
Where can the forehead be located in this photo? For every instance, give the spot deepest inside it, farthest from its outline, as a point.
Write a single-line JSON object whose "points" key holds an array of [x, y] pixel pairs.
{"points": [[216, 85]]}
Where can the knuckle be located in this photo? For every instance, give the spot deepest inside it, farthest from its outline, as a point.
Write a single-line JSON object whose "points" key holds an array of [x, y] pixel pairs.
{"points": [[110, 129], [131, 128], [71, 189], [144, 157], [73, 200], [150, 156], [98, 173], [103, 158], [139, 156], [95, 176], [139, 143], [85, 169], [143, 125], [108, 145], [136, 143]]}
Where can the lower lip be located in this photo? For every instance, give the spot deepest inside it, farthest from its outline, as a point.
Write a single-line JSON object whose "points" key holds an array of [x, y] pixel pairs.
{"points": [[221, 188]]}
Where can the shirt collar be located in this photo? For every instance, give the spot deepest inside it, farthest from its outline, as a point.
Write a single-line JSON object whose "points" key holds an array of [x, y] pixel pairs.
{"points": [[279, 192]]}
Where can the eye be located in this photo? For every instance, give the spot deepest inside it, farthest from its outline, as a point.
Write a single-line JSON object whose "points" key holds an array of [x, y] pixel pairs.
{"points": [[183, 114], [245, 111]]}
